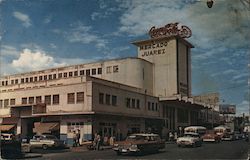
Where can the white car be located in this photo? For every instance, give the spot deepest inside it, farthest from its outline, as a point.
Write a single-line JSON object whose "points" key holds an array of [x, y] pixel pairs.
{"points": [[189, 139], [46, 141], [6, 136]]}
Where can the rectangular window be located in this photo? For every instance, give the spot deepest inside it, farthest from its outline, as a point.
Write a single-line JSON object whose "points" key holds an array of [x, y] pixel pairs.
{"points": [[26, 80], [24, 100], [65, 75], [35, 79], [156, 106], [115, 69], [108, 69], [45, 77], [60, 75], [12, 101], [80, 97], [31, 79], [6, 83], [1, 103], [38, 99], [6, 103], [22, 80], [99, 71], [54, 76], [50, 77], [2, 83], [149, 108], [31, 100], [48, 100], [70, 74], [114, 100], [81, 72], [88, 72], [56, 99], [128, 102], [138, 103], [153, 106], [71, 98], [12, 81], [93, 71], [16, 81], [40, 78], [101, 98], [76, 73], [107, 98], [133, 103]]}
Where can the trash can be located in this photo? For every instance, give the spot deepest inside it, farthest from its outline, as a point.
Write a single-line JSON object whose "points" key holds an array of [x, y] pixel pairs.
{"points": [[11, 149]]}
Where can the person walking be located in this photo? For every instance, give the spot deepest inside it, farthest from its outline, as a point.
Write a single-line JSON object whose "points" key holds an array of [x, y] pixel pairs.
{"points": [[98, 143], [78, 138], [74, 139]]}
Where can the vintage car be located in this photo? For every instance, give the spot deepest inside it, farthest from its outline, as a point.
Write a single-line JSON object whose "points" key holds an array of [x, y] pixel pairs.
{"points": [[46, 141], [6, 136], [139, 143], [189, 139], [211, 136]]}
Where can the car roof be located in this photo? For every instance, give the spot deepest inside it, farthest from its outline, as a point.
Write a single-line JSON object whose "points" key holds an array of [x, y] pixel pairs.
{"points": [[191, 133], [144, 134]]}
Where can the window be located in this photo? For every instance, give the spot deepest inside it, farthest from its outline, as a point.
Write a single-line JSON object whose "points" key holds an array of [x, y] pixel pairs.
{"points": [[138, 103], [60, 75], [2, 83], [128, 102], [71, 98], [22, 80], [35, 79], [38, 99], [76, 73], [88, 72], [1, 103], [108, 69], [26, 80], [50, 76], [107, 99], [153, 106], [101, 98], [115, 69], [16, 81], [133, 103], [48, 99], [6, 103], [54, 76], [24, 100], [56, 99], [80, 97], [40, 78], [99, 71], [114, 100], [93, 71], [81, 72], [156, 106], [45, 77], [70, 74], [31, 79], [65, 75], [149, 106], [6, 83], [31, 100], [12, 101], [12, 81]]}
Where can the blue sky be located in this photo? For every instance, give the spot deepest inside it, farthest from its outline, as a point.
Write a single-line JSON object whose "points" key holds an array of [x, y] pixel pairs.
{"points": [[49, 33]]}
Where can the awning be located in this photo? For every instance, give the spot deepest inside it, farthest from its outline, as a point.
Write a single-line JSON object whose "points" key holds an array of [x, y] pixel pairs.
{"points": [[6, 127], [41, 128]]}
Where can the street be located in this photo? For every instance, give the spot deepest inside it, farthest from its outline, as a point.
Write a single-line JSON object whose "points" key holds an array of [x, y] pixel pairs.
{"points": [[224, 150]]}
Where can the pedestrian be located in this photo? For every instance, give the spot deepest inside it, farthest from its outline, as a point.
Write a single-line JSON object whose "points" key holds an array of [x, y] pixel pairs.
{"points": [[74, 139], [111, 141], [171, 136], [78, 138], [98, 138], [95, 142]]}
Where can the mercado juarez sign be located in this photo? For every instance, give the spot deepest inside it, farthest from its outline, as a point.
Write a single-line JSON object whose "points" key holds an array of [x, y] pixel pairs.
{"points": [[169, 30]]}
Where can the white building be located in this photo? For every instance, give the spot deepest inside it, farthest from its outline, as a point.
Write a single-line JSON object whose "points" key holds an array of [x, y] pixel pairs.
{"points": [[112, 97]]}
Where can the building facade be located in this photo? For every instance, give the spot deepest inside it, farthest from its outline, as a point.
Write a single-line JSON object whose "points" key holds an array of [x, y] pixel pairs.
{"points": [[148, 93]]}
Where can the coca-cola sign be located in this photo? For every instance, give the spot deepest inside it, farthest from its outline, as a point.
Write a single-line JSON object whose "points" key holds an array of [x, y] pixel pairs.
{"points": [[170, 29]]}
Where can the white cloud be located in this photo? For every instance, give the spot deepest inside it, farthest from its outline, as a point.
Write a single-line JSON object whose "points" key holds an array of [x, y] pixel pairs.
{"points": [[23, 18], [7, 50]]}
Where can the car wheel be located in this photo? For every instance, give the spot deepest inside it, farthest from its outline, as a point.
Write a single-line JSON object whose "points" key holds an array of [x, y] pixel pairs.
{"points": [[45, 146]]}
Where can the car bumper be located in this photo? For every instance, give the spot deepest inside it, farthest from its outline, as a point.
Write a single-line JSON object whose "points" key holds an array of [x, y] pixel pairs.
{"points": [[208, 140], [126, 150]]}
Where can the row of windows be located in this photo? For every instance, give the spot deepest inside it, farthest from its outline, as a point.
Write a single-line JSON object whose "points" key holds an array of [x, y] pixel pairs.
{"points": [[132, 103], [107, 99], [88, 72], [152, 106], [48, 99]]}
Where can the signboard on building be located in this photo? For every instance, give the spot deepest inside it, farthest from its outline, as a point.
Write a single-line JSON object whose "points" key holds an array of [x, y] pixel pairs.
{"points": [[227, 109], [210, 98]]}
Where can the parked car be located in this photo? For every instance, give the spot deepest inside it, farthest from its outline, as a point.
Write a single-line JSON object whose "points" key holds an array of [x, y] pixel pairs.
{"points": [[189, 139], [139, 143], [229, 137], [46, 141], [238, 135], [6, 136], [211, 136]]}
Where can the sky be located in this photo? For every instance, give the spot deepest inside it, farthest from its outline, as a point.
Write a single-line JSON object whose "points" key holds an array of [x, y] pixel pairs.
{"points": [[40, 34]]}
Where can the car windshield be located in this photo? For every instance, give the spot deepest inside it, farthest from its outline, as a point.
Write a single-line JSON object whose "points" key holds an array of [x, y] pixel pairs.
{"points": [[191, 135], [50, 137], [135, 137]]}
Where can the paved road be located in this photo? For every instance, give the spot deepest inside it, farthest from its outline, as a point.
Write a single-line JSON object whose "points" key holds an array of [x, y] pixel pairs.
{"points": [[224, 150]]}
